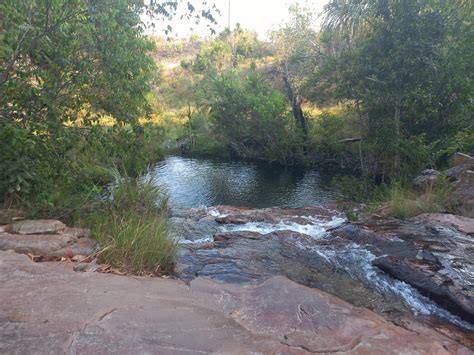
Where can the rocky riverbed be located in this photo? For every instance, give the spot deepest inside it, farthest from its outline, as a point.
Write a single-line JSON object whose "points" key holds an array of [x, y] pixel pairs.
{"points": [[421, 269], [249, 280]]}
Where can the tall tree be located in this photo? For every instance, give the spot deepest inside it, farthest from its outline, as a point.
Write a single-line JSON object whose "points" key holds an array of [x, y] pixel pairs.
{"points": [[390, 64]]}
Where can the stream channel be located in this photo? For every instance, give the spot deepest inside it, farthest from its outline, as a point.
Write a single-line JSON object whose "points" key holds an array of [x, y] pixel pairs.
{"points": [[242, 222]]}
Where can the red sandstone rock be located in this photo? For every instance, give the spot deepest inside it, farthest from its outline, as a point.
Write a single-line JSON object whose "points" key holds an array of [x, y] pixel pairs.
{"points": [[463, 224], [39, 226], [48, 308]]}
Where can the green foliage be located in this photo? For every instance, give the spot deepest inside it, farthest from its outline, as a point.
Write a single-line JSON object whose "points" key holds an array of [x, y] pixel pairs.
{"points": [[133, 228], [18, 153], [65, 61], [229, 50], [401, 63], [397, 200], [326, 140], [62, 179], [253, 118], [295, 47]]}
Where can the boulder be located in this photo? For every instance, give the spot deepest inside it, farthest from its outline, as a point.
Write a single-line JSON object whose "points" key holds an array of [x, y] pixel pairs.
{"points": [[39, 226], [464, 191], [426, 179]]}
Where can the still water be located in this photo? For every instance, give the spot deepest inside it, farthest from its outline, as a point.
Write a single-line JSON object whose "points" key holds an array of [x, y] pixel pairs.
{"points": [[194, 182]]}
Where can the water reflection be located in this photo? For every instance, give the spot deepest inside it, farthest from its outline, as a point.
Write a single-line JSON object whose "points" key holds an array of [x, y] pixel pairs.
{"points": [[202, 182]]}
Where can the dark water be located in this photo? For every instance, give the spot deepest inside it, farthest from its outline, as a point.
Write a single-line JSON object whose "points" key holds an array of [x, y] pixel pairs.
{"points": [[192, 182]]}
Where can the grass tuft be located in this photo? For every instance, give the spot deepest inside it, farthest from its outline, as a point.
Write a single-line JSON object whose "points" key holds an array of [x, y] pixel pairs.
{"points": [[133, 228]]}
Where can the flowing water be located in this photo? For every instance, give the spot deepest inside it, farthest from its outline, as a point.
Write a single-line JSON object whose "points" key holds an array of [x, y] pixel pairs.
{"points": [[202, 183]]}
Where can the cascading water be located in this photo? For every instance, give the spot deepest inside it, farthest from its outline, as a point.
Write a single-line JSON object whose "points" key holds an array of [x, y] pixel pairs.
{"points": [[198, 182]]}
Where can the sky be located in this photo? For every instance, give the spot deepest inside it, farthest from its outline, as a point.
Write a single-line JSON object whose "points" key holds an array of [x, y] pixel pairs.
{"points": [[257, 15]]}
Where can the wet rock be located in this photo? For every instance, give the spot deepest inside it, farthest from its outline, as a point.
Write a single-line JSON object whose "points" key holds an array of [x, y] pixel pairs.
{"points": [[245, 257], [196, 224], [436, 260], [40, 226], [230, 236], [463, 224], [425, 277], [142, 315], [232, 215]]}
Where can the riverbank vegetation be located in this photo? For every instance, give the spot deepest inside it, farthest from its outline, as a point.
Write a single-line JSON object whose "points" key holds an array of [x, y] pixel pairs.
{"points": [[375, 91], [131, 225]]}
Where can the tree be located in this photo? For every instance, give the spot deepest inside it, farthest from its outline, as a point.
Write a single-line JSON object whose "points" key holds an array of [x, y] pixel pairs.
{"points": [[252, 117], [393, 66], [64, 61], [299, 53]]}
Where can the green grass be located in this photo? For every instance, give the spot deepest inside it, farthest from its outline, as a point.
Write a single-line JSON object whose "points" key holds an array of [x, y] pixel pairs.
{"points": [[397, 200], [133, 228], [136, 243], [403, 203]]}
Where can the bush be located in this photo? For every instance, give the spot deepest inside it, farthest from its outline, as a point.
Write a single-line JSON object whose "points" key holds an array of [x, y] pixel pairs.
{"points": [[254, 118], [328, 130], [60, 176]]}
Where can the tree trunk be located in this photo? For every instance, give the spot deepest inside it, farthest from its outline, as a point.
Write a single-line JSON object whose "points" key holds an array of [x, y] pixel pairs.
{"points": [[397, 136], [362, 133], [295, 100]]}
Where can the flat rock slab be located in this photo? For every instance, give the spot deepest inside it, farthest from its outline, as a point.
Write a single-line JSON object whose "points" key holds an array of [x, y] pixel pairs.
{"points": [[48, 308], [39, 226], [47, 246], [463, 224], [40, 244]]}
